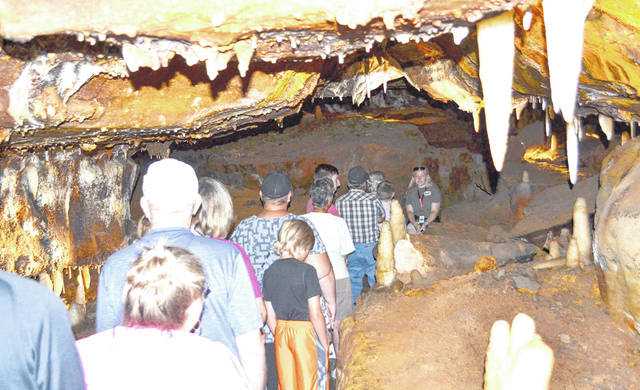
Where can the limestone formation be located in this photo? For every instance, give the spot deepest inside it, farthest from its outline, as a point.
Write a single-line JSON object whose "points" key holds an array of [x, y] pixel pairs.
{"points": [[616, 248], [385, 269], [582, 231], [517, 357], [63, 209], [408, 258], [397, 222], [573, 254]]}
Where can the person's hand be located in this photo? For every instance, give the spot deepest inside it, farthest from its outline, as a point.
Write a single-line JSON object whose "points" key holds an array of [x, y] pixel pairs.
{"points": [[424, 227], [417, 226]]}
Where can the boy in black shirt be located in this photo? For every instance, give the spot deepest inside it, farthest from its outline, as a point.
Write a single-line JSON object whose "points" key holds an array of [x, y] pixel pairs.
{"points": [[292, 295]]}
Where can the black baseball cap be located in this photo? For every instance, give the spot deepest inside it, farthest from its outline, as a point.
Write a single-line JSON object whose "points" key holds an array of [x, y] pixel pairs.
{"points": [[275, 185], [357, 175]]}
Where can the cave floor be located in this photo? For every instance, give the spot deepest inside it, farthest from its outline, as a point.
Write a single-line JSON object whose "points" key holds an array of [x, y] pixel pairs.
{"points": [[436, 337]]}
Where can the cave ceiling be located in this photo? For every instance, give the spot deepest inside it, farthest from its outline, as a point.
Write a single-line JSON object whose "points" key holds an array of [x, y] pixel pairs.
{"points": [[129, 72]]}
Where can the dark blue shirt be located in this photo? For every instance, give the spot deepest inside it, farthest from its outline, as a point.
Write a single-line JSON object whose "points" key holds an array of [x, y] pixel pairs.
{"points": [[37, 347]]}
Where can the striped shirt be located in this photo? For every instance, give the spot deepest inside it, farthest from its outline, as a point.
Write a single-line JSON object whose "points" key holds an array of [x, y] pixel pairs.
{"points": [[361, 211]]}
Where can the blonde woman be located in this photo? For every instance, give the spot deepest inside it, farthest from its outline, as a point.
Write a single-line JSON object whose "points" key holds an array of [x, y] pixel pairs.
{"points": [[214, 220], [292, 294], [155, 349]]}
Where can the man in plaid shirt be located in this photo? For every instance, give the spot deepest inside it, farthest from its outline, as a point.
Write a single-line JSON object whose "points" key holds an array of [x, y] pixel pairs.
{"points": [[363, 212]]}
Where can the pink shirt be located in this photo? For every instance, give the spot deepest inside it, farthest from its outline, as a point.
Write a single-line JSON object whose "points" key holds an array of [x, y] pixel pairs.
{"points": [[333, 210], [148, 358]]}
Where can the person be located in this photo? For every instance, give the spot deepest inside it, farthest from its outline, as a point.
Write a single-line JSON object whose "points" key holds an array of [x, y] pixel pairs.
{"points": [[362, 212], [169, 200], [154, 349], [422, 201], [36, 343], [214, 220], [322, 171], [337, 238], [375, 178], [292, 295], [386, 194], [258, 233]]}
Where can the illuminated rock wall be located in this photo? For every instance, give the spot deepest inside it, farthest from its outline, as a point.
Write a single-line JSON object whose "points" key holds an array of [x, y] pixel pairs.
{"points": [[63, 209]]}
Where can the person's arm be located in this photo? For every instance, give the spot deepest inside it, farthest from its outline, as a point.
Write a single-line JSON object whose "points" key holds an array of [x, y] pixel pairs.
{"points": [[379, 211], [252, 357], [262, 309], [435, 209], [245, 322], [320, 261], [271, 317], [412, 218], [58, 363], [317, 320], [106, 316]]}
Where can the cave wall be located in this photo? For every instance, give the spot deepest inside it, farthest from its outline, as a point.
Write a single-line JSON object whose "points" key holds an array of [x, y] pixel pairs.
{"points": [[63, 209], [617, 225]]}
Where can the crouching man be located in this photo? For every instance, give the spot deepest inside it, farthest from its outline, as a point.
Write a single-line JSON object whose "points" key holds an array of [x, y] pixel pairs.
{"points": [[423, 201]]}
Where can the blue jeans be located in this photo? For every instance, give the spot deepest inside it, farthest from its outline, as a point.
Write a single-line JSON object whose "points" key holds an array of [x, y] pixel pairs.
{"points": [[360, 263]]}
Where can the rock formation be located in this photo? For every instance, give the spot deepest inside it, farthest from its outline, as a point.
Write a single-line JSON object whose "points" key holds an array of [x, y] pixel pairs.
{"points": [[517, 358], [616, 248], [63, 209]]}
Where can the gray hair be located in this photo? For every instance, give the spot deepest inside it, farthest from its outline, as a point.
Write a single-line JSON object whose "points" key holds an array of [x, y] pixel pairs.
{"points": [[375, 178], [216, 214], [321, 192], [385, 191]]}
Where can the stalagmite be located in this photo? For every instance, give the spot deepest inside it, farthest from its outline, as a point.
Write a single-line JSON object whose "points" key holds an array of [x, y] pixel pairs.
{"points": [[632, 128], [407, 258], [398, 223], [385, 268], [80, 290], [495, 51], [582, 230], [606, 124], [572, 152], [57, 280], [573, 254], [517, 358], [476, 121], [554, 249], [624, 137], [553, 143], [45, 280], [564, 26], [526, 20]]}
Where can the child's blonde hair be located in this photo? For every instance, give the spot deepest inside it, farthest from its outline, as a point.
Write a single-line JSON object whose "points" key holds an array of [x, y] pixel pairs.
{"points": [[161, 285], [295, 237]]}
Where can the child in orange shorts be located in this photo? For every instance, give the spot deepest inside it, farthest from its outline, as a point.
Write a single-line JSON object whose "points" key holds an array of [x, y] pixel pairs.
{"points": [[292, 295]]}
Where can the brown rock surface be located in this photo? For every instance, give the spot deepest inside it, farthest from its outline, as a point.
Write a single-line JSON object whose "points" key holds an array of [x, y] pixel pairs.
{"points": [[62, 210], [616, 246]]}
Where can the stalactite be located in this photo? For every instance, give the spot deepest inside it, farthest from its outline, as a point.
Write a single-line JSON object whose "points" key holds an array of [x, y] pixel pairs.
{"points": [[496, 51], [564, 27]]}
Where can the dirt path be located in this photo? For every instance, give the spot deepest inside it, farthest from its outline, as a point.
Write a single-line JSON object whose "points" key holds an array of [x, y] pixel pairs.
{"points": [[436, 338]]}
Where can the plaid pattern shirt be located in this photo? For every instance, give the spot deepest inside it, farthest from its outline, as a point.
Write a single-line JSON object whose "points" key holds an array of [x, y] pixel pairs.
{"points": [[361, 211]]}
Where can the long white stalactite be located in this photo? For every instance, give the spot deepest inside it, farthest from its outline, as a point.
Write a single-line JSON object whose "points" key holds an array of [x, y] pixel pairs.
{"points": [[572, 152], [564, 26], [496, 51]]}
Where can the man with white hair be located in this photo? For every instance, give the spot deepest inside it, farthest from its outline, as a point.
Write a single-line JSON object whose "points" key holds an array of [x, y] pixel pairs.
{"points": [[170, 199]]}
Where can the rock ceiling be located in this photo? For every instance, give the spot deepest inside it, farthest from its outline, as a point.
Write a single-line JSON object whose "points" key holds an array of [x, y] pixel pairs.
{"points": [[134, 71]]}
